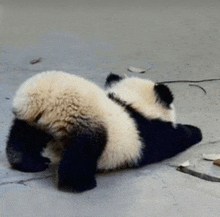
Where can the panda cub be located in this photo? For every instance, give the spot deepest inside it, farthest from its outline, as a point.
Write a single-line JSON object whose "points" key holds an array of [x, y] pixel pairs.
{"points": [[63, 118]]}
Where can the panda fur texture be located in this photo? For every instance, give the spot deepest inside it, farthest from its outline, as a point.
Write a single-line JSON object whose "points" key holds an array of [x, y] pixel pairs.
{"points": [[65, 119]]}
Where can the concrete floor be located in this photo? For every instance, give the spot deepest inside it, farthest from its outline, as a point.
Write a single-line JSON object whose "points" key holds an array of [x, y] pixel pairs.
{"points": [[172, 40]]}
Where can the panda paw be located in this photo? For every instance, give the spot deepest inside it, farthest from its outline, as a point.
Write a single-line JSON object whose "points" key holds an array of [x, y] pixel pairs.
{"points": [[30, 163], [77, 185], [194, 134]]}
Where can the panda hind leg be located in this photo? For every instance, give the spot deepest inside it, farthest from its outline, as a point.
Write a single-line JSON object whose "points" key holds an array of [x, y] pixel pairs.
{"points": [[24, 146], [78, 166]]}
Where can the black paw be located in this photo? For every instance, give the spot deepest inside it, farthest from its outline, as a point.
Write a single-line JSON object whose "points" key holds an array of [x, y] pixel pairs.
{"points": [[30, 163], [77, 185], [194, 134]]}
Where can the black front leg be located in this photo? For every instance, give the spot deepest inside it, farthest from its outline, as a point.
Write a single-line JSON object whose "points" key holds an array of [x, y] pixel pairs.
{"points": [[77, 170], [78, 166], [24, 146]]}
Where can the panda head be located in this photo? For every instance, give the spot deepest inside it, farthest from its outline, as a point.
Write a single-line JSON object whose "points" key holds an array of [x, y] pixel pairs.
{"points": [[153, 100]]}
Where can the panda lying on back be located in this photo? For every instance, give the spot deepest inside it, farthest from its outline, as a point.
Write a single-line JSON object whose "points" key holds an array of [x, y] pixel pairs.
{"points": [[64, 118]]}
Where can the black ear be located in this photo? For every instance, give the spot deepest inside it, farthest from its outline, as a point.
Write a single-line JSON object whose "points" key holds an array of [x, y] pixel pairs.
{"points": [[163, 93], [111, 79]]}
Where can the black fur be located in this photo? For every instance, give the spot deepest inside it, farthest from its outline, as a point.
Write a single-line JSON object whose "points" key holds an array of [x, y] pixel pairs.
{"points": [[161, 139], [163, 94], [24, 146], [78, 166], [111, 79]]}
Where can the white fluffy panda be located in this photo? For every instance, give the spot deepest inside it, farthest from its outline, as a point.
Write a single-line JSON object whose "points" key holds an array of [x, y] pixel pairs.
{"points": [[60, 117]]}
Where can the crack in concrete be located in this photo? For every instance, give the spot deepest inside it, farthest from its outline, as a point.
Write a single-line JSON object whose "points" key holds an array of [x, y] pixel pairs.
{"points": [[211, 142], [22, 182]]}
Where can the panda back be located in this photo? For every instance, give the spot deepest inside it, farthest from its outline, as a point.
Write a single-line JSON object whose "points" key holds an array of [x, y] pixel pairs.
{"points": [[53, 100]]}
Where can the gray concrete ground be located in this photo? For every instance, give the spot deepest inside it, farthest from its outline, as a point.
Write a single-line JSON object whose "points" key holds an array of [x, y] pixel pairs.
{"points": [[172, 40]]}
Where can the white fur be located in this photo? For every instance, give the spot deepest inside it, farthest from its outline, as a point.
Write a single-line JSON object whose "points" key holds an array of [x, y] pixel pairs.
{"points": [[55, 101]]}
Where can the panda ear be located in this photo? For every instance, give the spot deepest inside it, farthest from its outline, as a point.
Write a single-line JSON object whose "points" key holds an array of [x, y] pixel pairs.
{"points": [[163, 94], [111, 79]]}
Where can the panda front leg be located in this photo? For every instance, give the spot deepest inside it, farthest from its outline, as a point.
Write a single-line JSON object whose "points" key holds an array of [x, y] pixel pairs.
{"points": [[78, 166], [24, 146], [77, 170]]}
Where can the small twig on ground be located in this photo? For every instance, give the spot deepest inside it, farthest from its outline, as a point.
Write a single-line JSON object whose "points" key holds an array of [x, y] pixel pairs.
{"points": [[190, 81], [198, 174], [35, 61], [195, 85]]}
